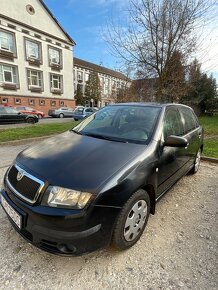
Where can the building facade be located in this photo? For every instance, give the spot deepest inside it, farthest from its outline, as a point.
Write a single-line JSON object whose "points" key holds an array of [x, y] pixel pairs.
{"points": [[110, 81], [35, 57]]}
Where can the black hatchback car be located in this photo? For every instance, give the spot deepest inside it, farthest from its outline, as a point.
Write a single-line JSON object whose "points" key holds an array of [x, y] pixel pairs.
{"points": [[97, 183], [9, 115]]}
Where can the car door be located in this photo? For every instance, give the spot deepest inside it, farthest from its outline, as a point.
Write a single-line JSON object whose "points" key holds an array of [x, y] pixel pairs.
{"points": [[67, 112], [171, 159], [13, 116], [193, 133], [3, 115]]}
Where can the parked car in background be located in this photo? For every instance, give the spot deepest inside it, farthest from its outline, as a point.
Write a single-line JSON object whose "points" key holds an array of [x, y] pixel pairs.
{"points": [[62, 112], [82, 113], [98, 183], [9, 115], [30, 111], [78, 107]]}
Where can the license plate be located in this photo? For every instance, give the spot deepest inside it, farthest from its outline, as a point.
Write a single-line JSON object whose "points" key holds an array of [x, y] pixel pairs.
{"points": [[16, 218]]}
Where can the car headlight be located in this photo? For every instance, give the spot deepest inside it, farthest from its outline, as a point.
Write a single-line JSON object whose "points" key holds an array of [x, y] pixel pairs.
{"points": [[63, 197]]}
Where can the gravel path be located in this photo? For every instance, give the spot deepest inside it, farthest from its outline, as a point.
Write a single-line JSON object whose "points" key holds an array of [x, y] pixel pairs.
{"points": [[178, 249]]}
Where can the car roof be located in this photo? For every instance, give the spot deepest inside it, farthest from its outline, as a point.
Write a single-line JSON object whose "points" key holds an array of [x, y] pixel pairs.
{"points": [[148, 104]]}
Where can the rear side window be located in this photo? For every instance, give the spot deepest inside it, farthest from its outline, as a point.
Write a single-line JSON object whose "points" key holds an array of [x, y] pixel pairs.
{"points": [[190, 122], [172, 124]]}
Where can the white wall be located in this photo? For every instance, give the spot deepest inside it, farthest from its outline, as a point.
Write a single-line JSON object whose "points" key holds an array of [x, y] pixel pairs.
{"points": [[16, 9], [22, 64]]}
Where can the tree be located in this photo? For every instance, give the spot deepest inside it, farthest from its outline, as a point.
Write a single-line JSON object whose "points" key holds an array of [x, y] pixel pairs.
{"points": [[93, 87], [201, 88], [157, 30], [79, 95]]}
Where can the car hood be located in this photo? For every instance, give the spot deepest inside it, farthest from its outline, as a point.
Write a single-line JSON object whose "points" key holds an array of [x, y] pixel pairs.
{"points": [[75, 161]]}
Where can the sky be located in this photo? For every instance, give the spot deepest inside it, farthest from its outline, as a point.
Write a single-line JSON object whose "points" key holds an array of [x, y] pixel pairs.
{"points": [[85, 21]]}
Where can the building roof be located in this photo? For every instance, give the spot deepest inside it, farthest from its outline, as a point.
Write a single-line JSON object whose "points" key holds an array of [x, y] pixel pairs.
{"points": [[100, 69], [50, 13]]}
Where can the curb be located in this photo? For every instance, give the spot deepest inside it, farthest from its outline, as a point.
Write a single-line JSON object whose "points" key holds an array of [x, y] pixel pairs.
{"points": [[209, 159]]}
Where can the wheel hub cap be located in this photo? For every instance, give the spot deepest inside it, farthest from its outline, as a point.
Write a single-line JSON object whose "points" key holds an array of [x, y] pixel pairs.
{"points": [[135, 220]]}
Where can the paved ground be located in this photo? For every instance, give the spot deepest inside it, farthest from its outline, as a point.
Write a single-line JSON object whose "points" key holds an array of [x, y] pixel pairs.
{"points": [[178, 249]]}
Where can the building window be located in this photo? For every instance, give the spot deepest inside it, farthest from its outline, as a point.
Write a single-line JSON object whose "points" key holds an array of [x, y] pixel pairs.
{"points": [[86, 77], [42, 102], [74, 75], [79, 76], [61, 103], [33, 51], [34, 80], [17, 101], [32, 102], [55, 58], [56, 82], [8, 76], [53, 103], [7, 44], [30, 9], [4, 100]]}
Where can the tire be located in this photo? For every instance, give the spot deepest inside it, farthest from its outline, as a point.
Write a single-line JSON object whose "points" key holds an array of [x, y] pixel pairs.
{"points": [[61, 115], [39, 116], [75, 119], [31, 120], [131, 221], [196, 165]]}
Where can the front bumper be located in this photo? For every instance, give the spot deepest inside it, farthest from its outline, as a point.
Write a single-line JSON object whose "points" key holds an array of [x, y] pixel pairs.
{"points": [[63, 231]]}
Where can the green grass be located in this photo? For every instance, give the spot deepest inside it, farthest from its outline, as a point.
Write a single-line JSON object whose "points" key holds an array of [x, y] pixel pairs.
{"points": [[37, 130], [211, 148], [210, 124]]}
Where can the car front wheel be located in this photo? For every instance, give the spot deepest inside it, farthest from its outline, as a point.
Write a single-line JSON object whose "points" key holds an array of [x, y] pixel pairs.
{"points": [[196, 163], [61, 115], [131, 221]]}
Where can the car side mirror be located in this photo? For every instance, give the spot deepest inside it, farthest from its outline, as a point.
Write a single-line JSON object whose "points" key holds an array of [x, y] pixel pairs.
{"points": [[175, 141]]}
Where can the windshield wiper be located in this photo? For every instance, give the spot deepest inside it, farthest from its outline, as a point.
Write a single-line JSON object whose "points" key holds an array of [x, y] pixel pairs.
{"points": [[110, 138], [77, 132]]}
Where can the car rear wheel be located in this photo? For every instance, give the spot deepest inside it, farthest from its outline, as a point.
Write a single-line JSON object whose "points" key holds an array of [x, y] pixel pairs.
{"points": [[196, 163], [61, 115], [31, 121], [75, 119], [131, 221]]}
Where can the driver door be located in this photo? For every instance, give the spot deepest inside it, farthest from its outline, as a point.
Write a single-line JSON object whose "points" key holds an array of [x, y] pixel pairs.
{"points": [[172, 159]]}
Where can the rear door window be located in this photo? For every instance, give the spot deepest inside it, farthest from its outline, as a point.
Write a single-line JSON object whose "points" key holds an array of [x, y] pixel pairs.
{"points": [[189, 119]]}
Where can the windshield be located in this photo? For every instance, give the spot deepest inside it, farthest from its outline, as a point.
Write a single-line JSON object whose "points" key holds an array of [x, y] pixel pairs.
{"points": [[121, 123]]}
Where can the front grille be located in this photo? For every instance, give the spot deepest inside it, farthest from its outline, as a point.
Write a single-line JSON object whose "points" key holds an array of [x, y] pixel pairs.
{"points": [[27, 188]]}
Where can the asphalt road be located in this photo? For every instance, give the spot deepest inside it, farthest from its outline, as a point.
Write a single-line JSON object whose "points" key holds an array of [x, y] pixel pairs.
{"points": [[178, 249]]}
